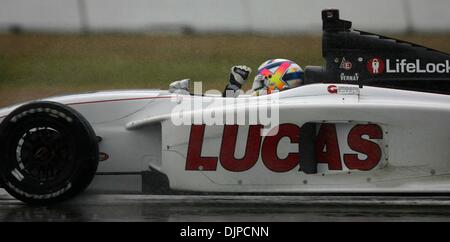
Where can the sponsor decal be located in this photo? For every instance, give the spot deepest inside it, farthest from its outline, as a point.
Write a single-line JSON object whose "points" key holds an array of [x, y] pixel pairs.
{"points": [[343, 90], [328, 152], [403, 66], [354, 77], [346, 65], [103, 156], [375, 66], [347, 90], [332, 89], [360, 140]]}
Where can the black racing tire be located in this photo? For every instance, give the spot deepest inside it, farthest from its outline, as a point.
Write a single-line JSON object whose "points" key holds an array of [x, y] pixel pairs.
{"points": [[48, 153]]}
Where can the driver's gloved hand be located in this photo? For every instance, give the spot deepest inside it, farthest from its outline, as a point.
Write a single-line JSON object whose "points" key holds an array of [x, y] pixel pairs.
{"points": [[238, 76]]}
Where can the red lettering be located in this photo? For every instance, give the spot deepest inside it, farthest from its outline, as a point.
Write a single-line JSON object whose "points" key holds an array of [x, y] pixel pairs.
{"points": [[327, 140], [326, 148], [228, 148], [194, 158], [369, 148], [269, 151]]}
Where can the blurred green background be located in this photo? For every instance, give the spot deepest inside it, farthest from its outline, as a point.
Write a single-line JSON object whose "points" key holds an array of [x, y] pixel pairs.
{"points": [[39, 65]]}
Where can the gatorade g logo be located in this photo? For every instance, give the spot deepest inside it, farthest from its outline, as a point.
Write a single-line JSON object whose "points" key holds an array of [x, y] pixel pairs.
{"points": [[375, 66]]}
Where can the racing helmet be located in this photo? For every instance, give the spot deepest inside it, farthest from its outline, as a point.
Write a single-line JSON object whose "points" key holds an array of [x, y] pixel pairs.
{"points": [[277, 75]]}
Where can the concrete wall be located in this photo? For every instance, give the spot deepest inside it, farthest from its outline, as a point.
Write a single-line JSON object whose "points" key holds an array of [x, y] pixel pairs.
{"points": [[269, 16]]}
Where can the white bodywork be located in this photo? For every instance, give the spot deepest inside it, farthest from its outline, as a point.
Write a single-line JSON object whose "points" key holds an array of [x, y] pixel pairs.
{"points": [[138, 134]]}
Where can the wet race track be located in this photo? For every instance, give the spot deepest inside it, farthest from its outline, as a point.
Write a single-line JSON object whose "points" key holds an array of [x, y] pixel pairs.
{"points": [[195, 208]]}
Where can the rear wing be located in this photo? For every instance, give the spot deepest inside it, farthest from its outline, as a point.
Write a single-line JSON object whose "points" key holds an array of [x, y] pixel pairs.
{"points": [[362, 58]]}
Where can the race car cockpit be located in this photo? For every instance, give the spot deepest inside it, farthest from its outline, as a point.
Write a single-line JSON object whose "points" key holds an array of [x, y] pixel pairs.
{"points": [[362, 58]]}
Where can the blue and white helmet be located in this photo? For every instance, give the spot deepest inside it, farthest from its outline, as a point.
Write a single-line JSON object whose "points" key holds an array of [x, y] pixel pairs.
{"points": [[277, 75]]}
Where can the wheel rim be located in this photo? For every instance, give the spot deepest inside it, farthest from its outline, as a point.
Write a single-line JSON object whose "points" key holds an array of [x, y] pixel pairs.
{"points": [[45, 156]]}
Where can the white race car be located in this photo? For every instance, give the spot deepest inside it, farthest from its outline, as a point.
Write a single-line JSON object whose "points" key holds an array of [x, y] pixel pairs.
{"points": [[374, 119]]}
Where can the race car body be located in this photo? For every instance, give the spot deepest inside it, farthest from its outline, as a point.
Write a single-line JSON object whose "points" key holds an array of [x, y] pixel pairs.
{"points": [[367, 122]]}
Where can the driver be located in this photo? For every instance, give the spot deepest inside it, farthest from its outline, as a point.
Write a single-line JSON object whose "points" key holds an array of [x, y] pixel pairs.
{"points": [[274, 75]]}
